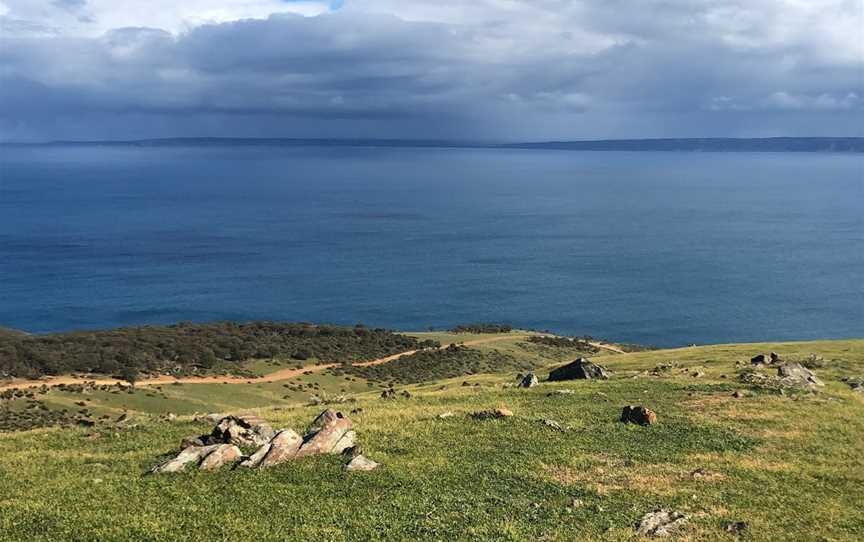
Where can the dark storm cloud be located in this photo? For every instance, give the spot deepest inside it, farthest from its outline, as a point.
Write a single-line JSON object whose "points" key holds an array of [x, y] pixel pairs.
{"points": [[355, 73]]}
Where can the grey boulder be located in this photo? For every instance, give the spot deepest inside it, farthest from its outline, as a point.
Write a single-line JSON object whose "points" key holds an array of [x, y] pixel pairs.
{"points": [[797, 373], [581, 369]]}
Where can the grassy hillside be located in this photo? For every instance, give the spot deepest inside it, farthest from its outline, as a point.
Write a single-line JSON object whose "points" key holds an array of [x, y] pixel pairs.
{"points": [[789, 465]]}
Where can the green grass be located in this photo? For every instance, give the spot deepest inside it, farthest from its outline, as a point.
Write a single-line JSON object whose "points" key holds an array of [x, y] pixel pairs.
{"points": [[789, 465]]}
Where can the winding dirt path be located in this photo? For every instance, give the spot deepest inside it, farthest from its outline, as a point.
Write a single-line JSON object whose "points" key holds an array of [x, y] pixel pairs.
{"points": [[276, 376], [605, 346]]}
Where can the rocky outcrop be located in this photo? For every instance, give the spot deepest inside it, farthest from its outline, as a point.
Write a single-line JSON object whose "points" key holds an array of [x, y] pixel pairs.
{"points": [[638, 415], [578, 370], [330, 433]]}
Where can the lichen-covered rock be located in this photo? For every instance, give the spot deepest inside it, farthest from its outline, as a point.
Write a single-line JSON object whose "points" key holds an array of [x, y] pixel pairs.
{"points": [[660, 523], [325, 433], [283, 447], [361, 463], [795, 372], [528, 381], [578, 370], [191, 454], [223, 454], [638, 415], [246, 430]]}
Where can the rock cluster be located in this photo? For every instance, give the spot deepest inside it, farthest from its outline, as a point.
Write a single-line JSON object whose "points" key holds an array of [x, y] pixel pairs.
{"points": [[579, 369], [638, 415], [330, 433]]}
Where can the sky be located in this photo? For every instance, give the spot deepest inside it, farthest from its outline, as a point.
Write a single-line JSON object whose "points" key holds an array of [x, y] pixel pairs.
{"points": [[490, 70]]}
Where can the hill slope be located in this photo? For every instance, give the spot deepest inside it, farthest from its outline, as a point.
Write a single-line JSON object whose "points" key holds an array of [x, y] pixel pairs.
{"points": [[786, 464]]}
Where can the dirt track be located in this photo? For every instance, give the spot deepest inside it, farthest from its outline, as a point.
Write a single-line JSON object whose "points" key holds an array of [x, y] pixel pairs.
{"points": [[283, 374]]}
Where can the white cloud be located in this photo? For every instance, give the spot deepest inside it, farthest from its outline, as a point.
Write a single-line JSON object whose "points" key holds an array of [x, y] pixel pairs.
{"points": [[94, 17]]}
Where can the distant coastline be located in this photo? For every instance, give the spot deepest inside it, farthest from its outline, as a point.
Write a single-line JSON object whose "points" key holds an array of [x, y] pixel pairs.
{"points": [[711, 144]]}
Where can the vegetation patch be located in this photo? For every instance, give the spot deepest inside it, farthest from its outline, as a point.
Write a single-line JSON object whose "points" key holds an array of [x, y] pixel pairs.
{"points": [[576, 344], [188, 348], [482, 328], [437, 364]]}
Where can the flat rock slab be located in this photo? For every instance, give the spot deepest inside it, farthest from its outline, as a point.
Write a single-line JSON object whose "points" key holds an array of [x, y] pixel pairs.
{"points": [[189, 455], [361, 463], [581, 369], [660, 523]]}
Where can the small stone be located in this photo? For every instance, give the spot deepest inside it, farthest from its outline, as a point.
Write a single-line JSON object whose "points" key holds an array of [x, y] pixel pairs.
{"points": [[638, 415], [660, 523], [738, 394], [361, 463], [697, 374], [552, 424], [560, 392], [736, 527], [698, 473], [445, 415], [775, 357]]}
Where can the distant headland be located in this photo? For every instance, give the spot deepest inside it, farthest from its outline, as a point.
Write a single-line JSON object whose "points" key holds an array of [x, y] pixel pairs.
{"points": [[709, 144]]}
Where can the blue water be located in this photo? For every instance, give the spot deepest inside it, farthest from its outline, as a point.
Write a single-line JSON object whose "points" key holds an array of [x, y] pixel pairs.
{"points": [[658, 248]]}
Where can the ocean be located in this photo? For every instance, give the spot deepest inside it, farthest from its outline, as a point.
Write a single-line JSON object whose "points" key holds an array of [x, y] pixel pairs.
{"points": [[660, 248]]}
